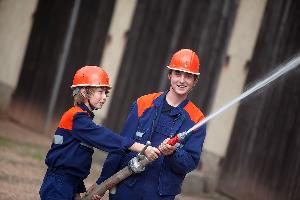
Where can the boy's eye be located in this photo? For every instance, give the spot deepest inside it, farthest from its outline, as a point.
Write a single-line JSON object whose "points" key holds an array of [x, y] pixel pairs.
{"points": [[190, 75], [103, 91], [177, 73], [100, 92]]}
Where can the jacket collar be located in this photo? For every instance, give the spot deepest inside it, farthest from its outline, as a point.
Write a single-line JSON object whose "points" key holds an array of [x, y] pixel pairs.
{"points": [[177, 110], [85, 108]]}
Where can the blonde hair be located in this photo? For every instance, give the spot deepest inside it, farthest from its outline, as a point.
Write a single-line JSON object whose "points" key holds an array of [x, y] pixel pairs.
{"points": [[79, 98]]}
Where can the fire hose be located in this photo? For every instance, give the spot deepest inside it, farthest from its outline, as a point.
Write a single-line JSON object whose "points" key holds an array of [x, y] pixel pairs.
{"points": [[135, 165]]}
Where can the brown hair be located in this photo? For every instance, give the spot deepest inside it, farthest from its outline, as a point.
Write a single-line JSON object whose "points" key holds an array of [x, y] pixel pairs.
{"points": [[196, 77]]}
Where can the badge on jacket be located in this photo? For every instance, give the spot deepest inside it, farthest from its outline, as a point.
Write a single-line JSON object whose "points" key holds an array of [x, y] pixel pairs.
{"points": [[58, 139], [139, 134]]}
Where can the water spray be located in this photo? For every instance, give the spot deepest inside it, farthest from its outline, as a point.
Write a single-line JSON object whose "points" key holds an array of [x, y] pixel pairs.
{"points": [[281, 70]]}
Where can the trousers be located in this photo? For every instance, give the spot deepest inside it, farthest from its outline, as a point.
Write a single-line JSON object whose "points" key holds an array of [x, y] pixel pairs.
{"points": [[59, 185]]}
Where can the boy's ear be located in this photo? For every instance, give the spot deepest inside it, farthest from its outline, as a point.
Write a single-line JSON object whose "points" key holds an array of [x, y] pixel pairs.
{"points": [[83, 92], [195, 82]]}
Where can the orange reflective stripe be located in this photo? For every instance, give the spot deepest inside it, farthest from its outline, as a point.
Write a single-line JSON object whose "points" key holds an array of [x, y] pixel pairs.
{"points": [[145, 102], [195, 114], [66, 121]]}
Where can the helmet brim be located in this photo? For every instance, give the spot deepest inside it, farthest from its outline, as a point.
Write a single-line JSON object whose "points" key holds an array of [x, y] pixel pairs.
{"points": [[89, 85], [182, 70]]}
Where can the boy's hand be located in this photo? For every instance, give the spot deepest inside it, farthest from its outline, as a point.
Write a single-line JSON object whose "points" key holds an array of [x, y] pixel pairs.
{"points": [[94, 197], [152, 153], [165, 148]]}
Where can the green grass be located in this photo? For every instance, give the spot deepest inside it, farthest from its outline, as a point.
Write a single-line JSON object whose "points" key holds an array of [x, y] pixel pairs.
{"points": [[4, 142], [33, 151]]}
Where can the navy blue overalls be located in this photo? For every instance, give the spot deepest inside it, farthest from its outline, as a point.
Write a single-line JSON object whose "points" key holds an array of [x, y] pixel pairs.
{"points": [[151, 118], [70, 157]]}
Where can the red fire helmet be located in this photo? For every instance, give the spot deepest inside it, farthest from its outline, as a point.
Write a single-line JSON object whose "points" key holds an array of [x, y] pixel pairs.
{"points": [[185, 60], [93, 76]]}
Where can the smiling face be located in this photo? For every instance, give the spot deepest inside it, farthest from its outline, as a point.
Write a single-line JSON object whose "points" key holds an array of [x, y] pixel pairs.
{"points": [[97, 97], [181, 82]]}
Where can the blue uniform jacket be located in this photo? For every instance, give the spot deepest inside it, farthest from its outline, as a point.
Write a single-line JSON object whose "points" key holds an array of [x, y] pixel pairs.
{"points": [[141, 126], [74, 139]]}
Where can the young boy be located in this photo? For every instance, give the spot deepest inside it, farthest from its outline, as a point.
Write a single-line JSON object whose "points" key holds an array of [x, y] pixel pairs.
{"points": [[157, 117], [70, 157]]}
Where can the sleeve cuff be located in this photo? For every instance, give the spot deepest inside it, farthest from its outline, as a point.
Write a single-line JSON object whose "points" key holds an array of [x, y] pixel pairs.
{"points": [[81, 188], [127, 142]]}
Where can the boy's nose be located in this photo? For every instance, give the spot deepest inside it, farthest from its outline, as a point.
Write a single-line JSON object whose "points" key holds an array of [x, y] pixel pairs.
{"points": [[104, 96], [182, 78]]}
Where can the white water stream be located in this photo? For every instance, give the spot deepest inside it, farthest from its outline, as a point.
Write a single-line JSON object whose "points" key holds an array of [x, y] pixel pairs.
{"points": [[281, 70]]}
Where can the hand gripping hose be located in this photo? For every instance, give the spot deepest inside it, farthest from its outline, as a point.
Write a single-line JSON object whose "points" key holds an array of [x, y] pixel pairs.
{"points": [[135, 165]]}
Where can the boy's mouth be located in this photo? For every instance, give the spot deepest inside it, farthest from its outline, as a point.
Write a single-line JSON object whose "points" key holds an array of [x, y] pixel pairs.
{"points": [[181, 86]]}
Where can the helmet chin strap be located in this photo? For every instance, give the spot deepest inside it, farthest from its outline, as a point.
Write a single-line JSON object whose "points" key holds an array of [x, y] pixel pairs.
{"points": [[85, 95], [91, 106]]}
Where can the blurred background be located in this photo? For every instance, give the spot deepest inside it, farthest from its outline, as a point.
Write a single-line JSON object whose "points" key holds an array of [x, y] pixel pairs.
{"points": [[251, 151]]}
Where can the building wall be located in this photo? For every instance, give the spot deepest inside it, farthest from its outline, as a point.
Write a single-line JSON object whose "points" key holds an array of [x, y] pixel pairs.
{"points": [[15, 21], [65, 36], [262, 160], [229, 86], [113, 51], [158, 29], [233, 74]]}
